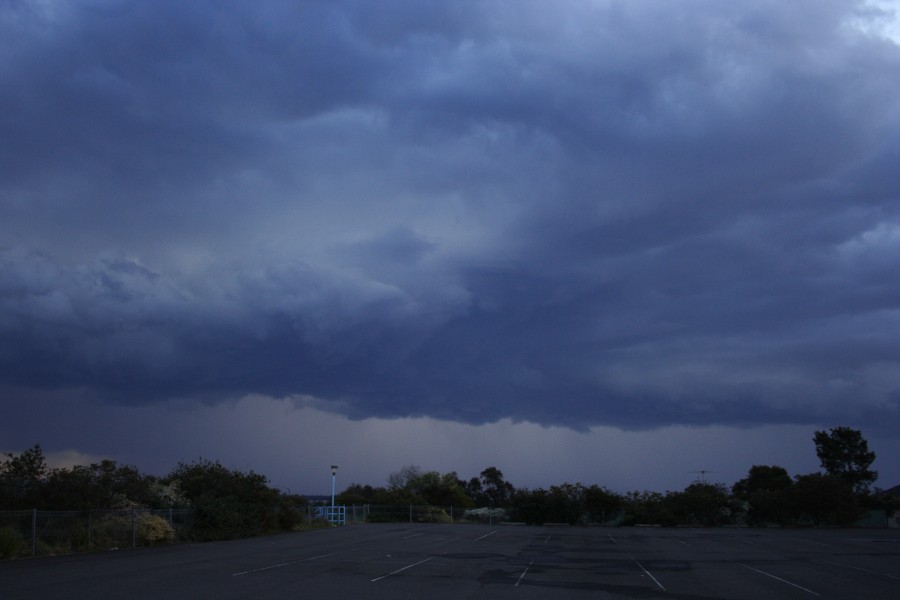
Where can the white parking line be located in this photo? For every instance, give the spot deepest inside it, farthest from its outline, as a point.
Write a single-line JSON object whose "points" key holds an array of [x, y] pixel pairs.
{"points": [[522, 576], [413, 535], [403, 569], [827, 562], [649, 574], [284, 564], [799, 587], [612, 539], [485, 535]]}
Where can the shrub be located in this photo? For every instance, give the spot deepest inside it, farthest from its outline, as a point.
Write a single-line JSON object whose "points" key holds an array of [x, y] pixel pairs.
{"points": [[485, 514], [11, 543], [114, 530], [153, 530]]}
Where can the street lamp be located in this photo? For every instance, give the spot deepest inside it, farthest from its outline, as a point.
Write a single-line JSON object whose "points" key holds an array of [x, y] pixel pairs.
{"points": [[333, 474]]}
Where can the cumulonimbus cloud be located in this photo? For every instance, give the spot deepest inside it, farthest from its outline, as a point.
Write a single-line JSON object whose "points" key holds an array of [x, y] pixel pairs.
{"points": [[623, 213]]}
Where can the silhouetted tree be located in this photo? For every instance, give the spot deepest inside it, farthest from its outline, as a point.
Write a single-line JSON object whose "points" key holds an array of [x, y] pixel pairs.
{"points": [[646, 508], [824, 500], [700, 503], [530, 506], [601, 505], [766, 491], [845, 455], [229, 503], [399, 480], [22, 479], [356, 493], [496, 491], [103, 485], [439, 490]]}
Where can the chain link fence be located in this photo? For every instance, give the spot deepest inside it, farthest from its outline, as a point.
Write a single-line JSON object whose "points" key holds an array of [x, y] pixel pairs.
{"points": [[409, 513], [48, 532]]}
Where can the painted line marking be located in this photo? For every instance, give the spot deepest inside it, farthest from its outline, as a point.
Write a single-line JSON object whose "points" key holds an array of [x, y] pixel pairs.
{"points": [[682, 541], [827, 562], [403, 569], [799, 587], [612, 539], [548, 539], [284, 564], [522, 576], [485, 535], [413, 535], [649, 574]]}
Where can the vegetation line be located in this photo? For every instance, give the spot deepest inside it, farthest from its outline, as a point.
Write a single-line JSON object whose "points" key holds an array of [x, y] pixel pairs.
{"points": [[109, 505]]}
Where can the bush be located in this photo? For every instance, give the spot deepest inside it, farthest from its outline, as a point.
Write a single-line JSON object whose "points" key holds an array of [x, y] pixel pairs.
{"points": [[114, 530], [430, 515], [153, 530], [485, 514], [11, 543]]}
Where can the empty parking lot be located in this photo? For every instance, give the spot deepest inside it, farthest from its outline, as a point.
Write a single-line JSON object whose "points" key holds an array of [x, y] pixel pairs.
{"points": [[466, 561]]}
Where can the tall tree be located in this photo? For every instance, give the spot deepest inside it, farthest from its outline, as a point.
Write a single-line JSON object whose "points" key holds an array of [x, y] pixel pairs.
{"points": [[229, 503], [22, 477], [401, 479], [766, 490], [845, 455], [824, 500], [496, 490], [100, 486]]}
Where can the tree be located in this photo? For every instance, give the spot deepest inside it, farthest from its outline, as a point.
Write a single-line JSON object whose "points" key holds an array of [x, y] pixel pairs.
{"points": [[496, 492], [399, 480], [766, 491], [411, 485], [474, 490], [22, 478], [700, 503], [229, 503], [648, 508], [565, 503], [601, 505], [845, 455], [531, 506], [356, 493], [100, 486], [439, 490], [824, 500]]}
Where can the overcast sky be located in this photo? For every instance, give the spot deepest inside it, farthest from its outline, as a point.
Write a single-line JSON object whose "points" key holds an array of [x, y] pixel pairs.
{"points": [[614, 242]]}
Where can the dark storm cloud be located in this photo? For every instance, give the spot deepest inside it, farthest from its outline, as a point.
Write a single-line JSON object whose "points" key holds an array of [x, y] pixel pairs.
{"points": [[633, 213]]}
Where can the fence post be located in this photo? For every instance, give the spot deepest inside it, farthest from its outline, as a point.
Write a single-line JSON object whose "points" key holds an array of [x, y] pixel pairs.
{"points": [[133, 537], [33, 532], [451, 514]]}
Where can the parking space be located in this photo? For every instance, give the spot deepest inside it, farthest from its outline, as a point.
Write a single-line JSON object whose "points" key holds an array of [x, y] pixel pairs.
{"points": [[453, 561]]}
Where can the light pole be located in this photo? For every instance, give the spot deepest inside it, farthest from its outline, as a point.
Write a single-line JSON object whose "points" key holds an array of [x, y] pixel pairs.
{"points": [[333, 474]]}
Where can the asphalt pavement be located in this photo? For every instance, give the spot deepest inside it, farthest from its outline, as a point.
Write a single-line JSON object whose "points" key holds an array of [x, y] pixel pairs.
{"points": [[436, 562]]}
